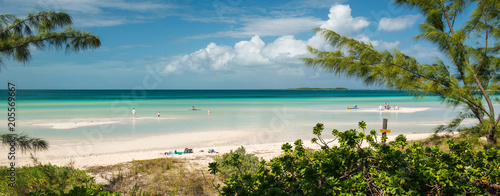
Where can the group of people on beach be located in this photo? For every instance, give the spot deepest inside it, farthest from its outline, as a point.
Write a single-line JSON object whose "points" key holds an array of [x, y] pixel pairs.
{"points": [[192, 108], [134, 112], [387, 106]]}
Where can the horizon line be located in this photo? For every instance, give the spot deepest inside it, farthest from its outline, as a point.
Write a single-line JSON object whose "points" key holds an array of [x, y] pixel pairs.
{"points": [[196, 89]]}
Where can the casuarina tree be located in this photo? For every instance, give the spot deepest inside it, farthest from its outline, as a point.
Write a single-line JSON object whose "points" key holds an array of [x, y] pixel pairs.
{"points": [[42, 30], [468, 77]]}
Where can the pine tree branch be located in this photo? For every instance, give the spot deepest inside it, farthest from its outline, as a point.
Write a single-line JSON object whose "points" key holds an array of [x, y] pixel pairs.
{"points": [[474, 107], [486, 40], [465, 99], [16, 24], [324, 58], [479, 84], [58, 39], [447, 18]]}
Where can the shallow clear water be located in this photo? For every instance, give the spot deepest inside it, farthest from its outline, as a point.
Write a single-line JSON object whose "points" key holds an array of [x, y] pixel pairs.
{"points": [[59, 115]]}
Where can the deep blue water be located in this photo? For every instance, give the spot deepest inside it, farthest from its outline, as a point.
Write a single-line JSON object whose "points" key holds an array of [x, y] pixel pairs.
{"points": [[191, 94]]}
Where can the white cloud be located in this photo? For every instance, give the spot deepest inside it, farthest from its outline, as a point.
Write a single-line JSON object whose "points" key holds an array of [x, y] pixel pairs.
{"points": [[341, 21], [281, 26], [212, 57], [248, 55], [91, 13], [318, 42], [268, 27], [299, 4], [285, 48], [396, 24], [280, 56]]}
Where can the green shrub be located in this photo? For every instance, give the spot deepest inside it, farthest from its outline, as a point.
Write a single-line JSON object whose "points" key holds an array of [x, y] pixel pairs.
{"points": [[247, 164], [49, 180], [350, 169]]}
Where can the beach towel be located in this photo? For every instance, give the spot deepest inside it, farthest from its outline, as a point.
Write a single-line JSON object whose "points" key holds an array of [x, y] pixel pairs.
{"points": [[178, 152]]}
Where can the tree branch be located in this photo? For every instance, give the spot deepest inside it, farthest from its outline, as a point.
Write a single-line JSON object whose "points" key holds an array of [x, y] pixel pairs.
{"points": [[479, 84], [210, 183], [47, 38], [447, 18], [486, 39], [467, 100], [61, 19], [17, 24]]}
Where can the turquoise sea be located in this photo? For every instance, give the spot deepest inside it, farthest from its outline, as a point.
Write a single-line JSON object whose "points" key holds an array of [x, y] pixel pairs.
{"points": [[274, 115], [67, 115]]}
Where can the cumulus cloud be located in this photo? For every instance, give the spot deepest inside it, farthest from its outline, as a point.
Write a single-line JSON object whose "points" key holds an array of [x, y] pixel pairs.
{"points": [[396, 24], [280, 56], [249, 53], [243, 55], [341, 21], [212, 57], [285, 48]]}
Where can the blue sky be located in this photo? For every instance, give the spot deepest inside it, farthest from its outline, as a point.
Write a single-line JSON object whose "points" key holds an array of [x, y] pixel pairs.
{"points": [[217, 44]]}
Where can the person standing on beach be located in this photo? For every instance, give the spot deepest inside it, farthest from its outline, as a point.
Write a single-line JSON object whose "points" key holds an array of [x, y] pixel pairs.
{"points": [[133, 112], [158, 114]]}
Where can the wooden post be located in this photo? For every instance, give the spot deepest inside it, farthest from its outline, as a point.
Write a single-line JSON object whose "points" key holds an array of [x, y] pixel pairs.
{"points": [[384, 126]]}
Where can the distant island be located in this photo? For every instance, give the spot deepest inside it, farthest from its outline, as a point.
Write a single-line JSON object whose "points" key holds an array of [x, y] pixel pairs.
{"points": [[318, 89]]}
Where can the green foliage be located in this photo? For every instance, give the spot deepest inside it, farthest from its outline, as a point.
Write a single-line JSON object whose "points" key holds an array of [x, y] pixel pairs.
{"points": [[24, 143], [87, 189], [469, 81], [237, 161], [377, 169], [50, 180], [41, 30]]}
